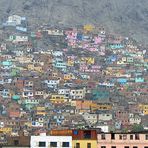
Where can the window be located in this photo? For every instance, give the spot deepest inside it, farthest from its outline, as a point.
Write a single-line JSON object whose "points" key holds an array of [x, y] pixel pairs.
{"points": [[53, 144], [87, 134], [77, 145], [112, 136], [103, 136], [137, 137], [103, 146], [120, 137], [88, 145], [75, 132], [42, 144], [146, 137], [135, 147], [126, 147], [16, 142], [131, 137], [113, 147], [65, 144]]}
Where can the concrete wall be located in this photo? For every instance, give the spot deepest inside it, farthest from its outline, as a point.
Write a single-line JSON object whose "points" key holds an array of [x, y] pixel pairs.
{"points": [[59, 139]]}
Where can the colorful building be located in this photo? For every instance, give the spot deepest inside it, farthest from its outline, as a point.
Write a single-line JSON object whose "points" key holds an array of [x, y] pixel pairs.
{"points": [[144, 108], [80, 138], [122, 140], [57, 99]]}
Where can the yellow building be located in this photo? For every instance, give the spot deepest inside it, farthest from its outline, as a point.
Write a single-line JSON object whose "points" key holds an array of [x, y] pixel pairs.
{"points": [[30, 67], [35, 68], [144, 108], [84, 143], [68, 77], [41, 111], [84, 139], [88, 28], [88, 60], [101, 106], [70, 62], [38, 69], [28, 123], [5, 130], [57, 99]]}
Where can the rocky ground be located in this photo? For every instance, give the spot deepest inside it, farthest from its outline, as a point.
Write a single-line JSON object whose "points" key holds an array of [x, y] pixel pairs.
{"points": [[128, 17]]}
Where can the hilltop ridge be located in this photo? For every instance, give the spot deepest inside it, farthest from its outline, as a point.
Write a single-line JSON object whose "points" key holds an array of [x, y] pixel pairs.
{"points": [[128, 17]]}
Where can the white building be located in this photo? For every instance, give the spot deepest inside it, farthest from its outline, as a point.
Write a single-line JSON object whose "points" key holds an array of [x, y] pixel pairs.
{"points": [[57, 53], [104, 128], [37, 124], [18, 38], [15, 19], [52, 83], [55, 32], [27, 94], [105, 117], [64, 91], [90, 118], [77, 93], [134, 119], [51, 141], [2, 124]]}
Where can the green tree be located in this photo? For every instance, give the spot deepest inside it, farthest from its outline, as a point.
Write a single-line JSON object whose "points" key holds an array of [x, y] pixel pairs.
{"points": [[137, 128], [125, 130]]}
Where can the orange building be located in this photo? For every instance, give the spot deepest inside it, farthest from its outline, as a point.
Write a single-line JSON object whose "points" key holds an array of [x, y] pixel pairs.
{"points": [[88, 104], [80, 104], [14, 114]]}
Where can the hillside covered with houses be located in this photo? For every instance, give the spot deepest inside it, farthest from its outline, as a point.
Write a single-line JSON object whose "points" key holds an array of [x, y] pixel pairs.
{"points": [[70, 78]]}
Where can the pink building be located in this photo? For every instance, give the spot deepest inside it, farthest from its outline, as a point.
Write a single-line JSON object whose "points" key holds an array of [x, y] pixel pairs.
{"points": [[122, 116], [121, 140]]}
